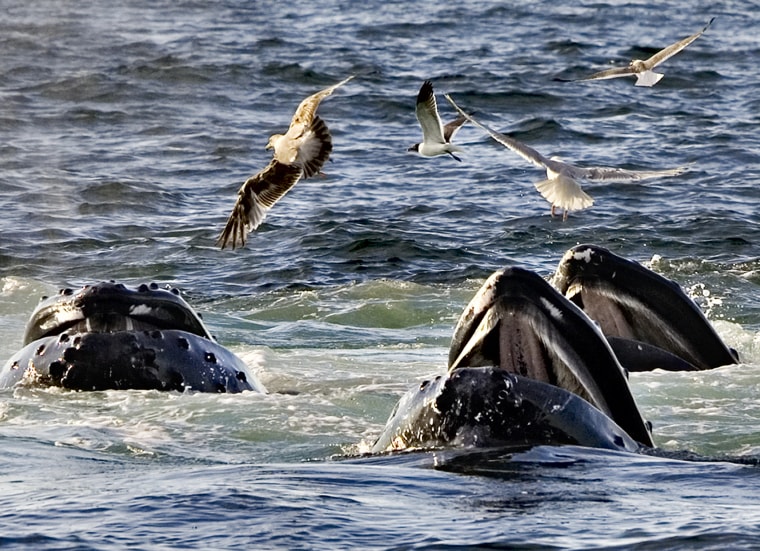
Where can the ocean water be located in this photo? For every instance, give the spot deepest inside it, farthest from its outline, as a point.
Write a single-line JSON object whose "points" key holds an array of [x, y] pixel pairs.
{"points": [[125, 132]]}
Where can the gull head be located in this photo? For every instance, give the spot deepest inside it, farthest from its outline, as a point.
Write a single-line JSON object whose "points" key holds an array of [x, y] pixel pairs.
{"points": [[273, 139], [414, 148], [638, 65]]}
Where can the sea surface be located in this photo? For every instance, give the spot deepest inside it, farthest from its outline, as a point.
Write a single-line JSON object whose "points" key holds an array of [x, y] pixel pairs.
{"points": [[126, 130]]}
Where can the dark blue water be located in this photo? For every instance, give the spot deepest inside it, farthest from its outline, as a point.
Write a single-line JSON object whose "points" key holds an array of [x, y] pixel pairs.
{"points": [[125, 132]]}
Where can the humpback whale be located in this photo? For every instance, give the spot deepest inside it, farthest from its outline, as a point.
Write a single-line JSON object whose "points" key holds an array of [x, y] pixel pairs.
{"points": [[531, 361], [648, 319], [108, 336], [526, 366], [532, 364]]}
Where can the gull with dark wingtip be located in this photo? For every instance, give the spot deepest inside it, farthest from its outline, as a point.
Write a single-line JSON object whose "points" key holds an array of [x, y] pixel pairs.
{"points": [[561, 188], [299, 153], [643, 69], [436, 138]]}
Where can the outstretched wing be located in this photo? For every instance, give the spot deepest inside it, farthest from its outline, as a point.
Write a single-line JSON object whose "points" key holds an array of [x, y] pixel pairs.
{"points": [[308, 149], [520, 148], [609, 174], [426, 110], [450, 129], [673, 49], [307, 143], [308, 107], [313, 148], [615, 72], [257, 195]]}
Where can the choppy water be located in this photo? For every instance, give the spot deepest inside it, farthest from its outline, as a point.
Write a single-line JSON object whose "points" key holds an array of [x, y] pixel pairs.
{"points": [[124, 135]]}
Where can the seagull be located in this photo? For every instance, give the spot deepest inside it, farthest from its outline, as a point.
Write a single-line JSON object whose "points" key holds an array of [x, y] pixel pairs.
{"points": [[299, 153], [296, 145], [642, 69], [436, 138], [560, 188]]}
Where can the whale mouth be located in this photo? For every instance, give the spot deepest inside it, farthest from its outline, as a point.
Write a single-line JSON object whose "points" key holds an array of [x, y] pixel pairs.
{"points": [[519, 336], [109, 307], [520, 324], [629, 301]]}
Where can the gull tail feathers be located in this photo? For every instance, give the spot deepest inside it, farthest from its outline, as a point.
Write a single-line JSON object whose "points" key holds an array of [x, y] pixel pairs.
{"points": [[565, 193], [648, 78]]}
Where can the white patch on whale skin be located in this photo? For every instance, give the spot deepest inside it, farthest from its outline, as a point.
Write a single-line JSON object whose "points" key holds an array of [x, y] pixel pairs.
{"points": [[553, 311], [585, 255], [140, 310], [486, 296], [60, 319]]}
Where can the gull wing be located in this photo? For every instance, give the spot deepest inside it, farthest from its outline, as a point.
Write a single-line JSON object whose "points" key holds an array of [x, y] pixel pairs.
{"points": [[615, 72], [256, 196], [520, 148], [308, 148], [610, 174], [427, 115], [313, 148], [673, 49], [308, 107], [450, 130]]}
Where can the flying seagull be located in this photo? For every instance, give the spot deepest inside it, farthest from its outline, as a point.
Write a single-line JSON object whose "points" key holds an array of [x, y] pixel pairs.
{"points": [[642, 69], [436, 138], [299, 153], [561, 187]]}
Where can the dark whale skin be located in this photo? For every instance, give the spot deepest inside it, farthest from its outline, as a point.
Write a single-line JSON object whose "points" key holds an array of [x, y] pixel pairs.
{"points": [[108, 336]]}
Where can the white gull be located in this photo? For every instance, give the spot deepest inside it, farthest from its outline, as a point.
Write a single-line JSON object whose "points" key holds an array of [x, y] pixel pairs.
{"points": [[643, 69], [561, 187], [436, 138]]}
